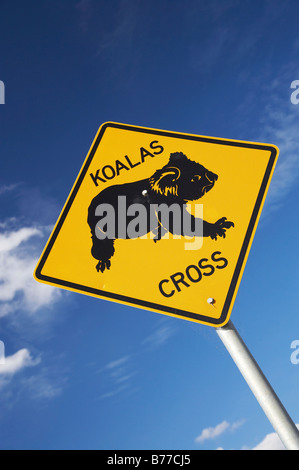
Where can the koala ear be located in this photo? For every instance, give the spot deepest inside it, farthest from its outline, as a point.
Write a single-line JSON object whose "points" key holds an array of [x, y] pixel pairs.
{"points": [[164, 181], [177, 158]]}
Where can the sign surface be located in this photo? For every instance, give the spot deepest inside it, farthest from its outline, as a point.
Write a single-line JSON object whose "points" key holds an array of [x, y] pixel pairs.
{"points": [[113, 240]]}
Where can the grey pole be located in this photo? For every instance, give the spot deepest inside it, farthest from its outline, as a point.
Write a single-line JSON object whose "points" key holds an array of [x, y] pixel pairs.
{"points": [[260, 386]]}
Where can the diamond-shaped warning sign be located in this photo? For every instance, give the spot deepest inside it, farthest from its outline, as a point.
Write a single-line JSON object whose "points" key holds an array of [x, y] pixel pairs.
{"points": [[161, 220]]}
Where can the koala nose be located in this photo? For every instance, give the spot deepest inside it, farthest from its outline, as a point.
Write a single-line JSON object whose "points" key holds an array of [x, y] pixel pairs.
{"points": [[211, 176]]}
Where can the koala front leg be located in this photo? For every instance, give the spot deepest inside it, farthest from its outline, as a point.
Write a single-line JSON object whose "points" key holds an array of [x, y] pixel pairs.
{"points": [[217, 229]]}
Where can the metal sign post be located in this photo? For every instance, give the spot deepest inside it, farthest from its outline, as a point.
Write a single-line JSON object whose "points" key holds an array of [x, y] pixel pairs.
{"points": [[260, 386]]}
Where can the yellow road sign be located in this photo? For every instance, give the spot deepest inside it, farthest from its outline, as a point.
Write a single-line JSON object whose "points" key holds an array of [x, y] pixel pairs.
{"points": [[127, 230]]}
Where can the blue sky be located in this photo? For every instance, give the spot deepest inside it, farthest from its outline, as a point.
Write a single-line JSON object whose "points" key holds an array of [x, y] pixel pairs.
{"points": [[90, 374]]}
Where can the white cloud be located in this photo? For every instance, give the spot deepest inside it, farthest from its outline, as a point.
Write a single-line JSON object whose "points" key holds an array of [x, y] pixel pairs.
{"points": [[18, 361], [18, 289], [10, 240], [212, 432], [271, 442], [42, 384], [218, 430], [11, 365]]}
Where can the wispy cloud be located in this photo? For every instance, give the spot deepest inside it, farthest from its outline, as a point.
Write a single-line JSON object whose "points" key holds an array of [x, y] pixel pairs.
{"points": [[118, 364], [115, 26], [120, 31], [159, 336], [118, 374], [232, 39], [120, 370], [7, 187], [267, 115], [84, 8], [218, 430], [42, 386], [279, 125]]}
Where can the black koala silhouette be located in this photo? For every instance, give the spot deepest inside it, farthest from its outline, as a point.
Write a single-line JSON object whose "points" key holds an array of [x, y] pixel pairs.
{"points": [[180, 181]]}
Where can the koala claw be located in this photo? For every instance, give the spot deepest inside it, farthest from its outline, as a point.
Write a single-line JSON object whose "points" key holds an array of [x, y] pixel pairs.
{"points": [[103, 264], [219, 228]]}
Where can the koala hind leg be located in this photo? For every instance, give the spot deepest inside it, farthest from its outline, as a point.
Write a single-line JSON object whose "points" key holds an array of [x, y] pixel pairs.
{"points": [[102, 250]]}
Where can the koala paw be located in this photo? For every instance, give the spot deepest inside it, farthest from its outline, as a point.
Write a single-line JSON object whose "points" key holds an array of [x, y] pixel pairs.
{"points": [[103, 264], [219, 228]]}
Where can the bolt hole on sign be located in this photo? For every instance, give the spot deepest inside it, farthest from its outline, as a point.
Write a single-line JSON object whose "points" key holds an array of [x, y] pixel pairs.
{"points": [[160, 220]]}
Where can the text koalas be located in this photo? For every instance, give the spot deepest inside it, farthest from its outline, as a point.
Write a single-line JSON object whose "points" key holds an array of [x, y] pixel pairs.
{"points": [[108, 172]]}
